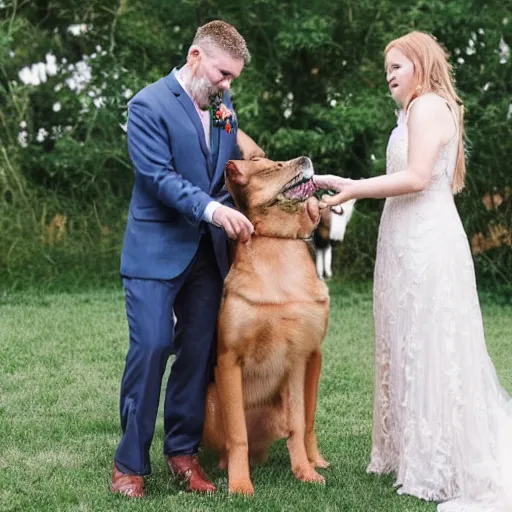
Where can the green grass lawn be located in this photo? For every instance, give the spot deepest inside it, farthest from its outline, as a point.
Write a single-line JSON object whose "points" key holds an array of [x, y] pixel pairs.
{"points": [[61, 359]]}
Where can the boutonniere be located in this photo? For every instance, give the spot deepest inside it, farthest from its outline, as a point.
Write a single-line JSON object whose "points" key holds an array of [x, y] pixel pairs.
{"points": [[221, 115]]}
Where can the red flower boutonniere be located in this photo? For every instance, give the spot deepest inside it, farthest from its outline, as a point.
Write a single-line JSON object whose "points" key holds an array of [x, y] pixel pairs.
{"points": [[222, 116]]}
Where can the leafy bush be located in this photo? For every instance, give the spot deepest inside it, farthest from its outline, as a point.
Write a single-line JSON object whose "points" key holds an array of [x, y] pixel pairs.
{"points": [[315, 86]]}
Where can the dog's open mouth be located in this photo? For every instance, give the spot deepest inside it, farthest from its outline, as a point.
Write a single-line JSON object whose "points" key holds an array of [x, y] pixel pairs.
{"points": [[299, 188]]}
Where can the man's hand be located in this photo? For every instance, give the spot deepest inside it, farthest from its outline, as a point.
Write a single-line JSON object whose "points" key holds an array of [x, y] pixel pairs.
{"points": [[236, 225]]}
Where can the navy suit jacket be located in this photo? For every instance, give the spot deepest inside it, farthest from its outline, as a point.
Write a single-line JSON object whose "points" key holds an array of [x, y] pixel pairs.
{"points": [[176, 176]]}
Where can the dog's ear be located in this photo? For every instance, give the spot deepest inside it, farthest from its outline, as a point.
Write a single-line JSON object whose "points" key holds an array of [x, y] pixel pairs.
{"points": [[235, 172]]}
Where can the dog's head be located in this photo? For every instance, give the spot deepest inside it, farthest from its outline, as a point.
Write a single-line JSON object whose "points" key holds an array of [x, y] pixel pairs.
{"points": [[277, 197]]}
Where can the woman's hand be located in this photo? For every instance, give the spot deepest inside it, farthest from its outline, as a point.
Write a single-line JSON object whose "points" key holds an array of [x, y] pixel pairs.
{"points": [[344, 187]]}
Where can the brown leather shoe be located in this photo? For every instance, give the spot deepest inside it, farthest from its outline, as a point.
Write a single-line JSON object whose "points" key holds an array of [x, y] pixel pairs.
{"points": [[187, 470], [128, 485]]}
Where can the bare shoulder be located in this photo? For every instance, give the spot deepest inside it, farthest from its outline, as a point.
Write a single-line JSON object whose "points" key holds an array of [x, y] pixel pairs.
{"points": [[428, 106], [432, 111]]}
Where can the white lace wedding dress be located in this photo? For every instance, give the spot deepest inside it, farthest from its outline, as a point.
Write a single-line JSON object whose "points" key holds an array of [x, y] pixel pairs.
{"points": [[442, 423]]}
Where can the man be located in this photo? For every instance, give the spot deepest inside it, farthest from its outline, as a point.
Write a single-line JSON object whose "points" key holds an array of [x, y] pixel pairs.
{"points": [[174, 256]]}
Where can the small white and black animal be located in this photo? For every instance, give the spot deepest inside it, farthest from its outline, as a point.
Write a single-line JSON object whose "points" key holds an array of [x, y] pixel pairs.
{"points": [[330, 231]]}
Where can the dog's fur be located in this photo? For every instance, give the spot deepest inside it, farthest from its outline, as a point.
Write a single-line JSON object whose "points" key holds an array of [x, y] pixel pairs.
{"points": [[330, 232], [272, 321]]}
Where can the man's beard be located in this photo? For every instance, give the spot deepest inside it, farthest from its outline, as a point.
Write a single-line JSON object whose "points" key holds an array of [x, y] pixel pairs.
{"points": [[202, 90]]}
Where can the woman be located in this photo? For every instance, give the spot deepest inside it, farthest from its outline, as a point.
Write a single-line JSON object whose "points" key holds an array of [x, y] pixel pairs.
{"points": [[440, 414]]}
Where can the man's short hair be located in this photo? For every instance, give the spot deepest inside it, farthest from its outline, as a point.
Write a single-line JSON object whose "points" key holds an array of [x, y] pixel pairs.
{"points": [[223, 36]]}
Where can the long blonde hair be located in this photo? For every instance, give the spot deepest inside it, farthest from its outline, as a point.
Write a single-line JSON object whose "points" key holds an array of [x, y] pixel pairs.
{"points": [[433, 73]]}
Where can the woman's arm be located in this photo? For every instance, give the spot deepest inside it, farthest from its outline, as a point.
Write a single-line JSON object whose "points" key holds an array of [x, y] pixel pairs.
{"points": [[425, 140]]}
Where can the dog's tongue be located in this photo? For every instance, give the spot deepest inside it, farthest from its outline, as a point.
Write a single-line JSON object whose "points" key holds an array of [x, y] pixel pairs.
{"points": [[303, 191], [310, 188]]}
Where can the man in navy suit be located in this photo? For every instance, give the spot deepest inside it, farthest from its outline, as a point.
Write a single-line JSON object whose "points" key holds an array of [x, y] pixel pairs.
{"points": [[175, 254]]}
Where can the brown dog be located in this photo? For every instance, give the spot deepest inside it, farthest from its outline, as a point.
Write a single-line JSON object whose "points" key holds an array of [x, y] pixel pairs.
{"points": [[272, 321]]}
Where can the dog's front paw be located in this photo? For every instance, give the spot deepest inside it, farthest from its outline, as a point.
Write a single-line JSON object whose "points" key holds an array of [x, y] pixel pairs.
{"points": [[308, 474], [319, 462], [244, 487]]}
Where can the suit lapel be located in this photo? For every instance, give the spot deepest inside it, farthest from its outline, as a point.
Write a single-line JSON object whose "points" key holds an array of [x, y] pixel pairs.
{"points": [[190, 109]]}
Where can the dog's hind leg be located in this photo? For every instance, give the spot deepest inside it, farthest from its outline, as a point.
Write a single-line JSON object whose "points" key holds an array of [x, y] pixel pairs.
{"points": [[301, 467], [313, 369], [213, 430], [264, 426], [259, 454], [223, 459]]}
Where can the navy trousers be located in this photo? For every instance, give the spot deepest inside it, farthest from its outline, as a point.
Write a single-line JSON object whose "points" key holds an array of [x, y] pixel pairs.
{"points": [[195, 298]]}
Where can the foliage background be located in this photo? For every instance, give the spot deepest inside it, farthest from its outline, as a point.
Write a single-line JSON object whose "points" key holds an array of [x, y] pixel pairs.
{"points": [[315, 86]]}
